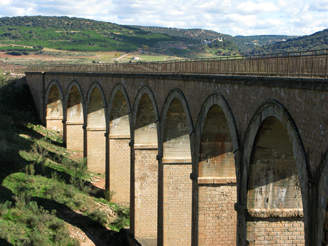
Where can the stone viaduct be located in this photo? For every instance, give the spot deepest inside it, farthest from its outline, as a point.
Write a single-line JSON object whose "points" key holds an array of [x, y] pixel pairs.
{"points": [[200, 159]]}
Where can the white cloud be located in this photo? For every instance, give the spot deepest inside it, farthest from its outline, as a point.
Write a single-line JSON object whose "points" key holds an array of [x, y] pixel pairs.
{"points": [[256, 8], [319, 5]]}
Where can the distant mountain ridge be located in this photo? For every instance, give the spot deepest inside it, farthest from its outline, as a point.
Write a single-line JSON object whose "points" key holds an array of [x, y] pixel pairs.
{"points": [[244, 43], [315, 41]]}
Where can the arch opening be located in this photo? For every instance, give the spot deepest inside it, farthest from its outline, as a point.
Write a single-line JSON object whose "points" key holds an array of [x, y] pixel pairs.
{"points": [[96, 128], [216, 176], [216, 148], [273, 190], [145, 126], [146, 171], [54, 116], [176, 146], [177, 186], [96, 111], [119, 149], [75, 120]]}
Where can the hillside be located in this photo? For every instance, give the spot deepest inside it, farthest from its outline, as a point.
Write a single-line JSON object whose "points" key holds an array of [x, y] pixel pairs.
{"points": [[47, 197], [191, 35], [243, 44], [74, 34], [248, 43], [26, 35], [316, 41], [32, 34]]}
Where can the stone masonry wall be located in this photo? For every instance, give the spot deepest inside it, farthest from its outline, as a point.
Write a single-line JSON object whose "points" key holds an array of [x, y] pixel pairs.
{"points": [[55, 124], [74, 139], [177, 204], [305, 100], [96, 150], [217, 224], [276, 232], [120, 169], [146, 193]]}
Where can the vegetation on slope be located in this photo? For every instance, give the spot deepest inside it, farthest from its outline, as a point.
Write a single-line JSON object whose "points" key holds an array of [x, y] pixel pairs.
{"points": [[243, 44], [248, 43], [192, 35], [46, 197], [75, 34], [22, 35], [316, 41]]}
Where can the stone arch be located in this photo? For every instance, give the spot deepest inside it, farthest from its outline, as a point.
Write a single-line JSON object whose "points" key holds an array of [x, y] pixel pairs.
{"points": [[96, 128], [119, 129], [216, 165], [145, 98], [322, 209], [75, 116], [175, 167], [145, 166], [275, 175], [54, 107], [178, 99]]}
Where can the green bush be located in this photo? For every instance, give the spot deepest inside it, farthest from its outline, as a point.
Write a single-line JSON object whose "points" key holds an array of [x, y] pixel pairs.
{"points": [[41, 226], [98, 216]]}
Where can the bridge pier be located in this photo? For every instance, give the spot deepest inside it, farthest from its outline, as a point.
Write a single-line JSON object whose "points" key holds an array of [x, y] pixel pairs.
{"points": [[145, 167], [177, 132]]}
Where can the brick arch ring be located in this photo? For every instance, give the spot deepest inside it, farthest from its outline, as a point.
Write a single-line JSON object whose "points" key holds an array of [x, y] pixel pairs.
{"points": [[118, 87], [50, 85], [273, 108], [218, 99], [142, 91], [175, 94], [67, 94]]}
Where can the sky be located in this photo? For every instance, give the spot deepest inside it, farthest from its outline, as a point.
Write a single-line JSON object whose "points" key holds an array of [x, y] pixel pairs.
{"points": [[234, 17]]}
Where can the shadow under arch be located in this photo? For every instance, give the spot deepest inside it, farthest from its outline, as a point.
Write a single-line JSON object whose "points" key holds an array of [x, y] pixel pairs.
{"points": [[175, 166], [118, 165], [175, 95], [216, 166], [274, 113], [322, 203], [74, 115], [137, 123], [144, 178], [54, 106], [95, 122]]}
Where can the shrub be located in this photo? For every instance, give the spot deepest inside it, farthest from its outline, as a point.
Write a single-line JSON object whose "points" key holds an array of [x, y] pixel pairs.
{"points": [[98, 216], [123, 218]]}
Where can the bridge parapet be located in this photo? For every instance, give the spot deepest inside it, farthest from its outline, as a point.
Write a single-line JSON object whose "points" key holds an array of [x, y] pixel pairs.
{"points": [[306, 64]]}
